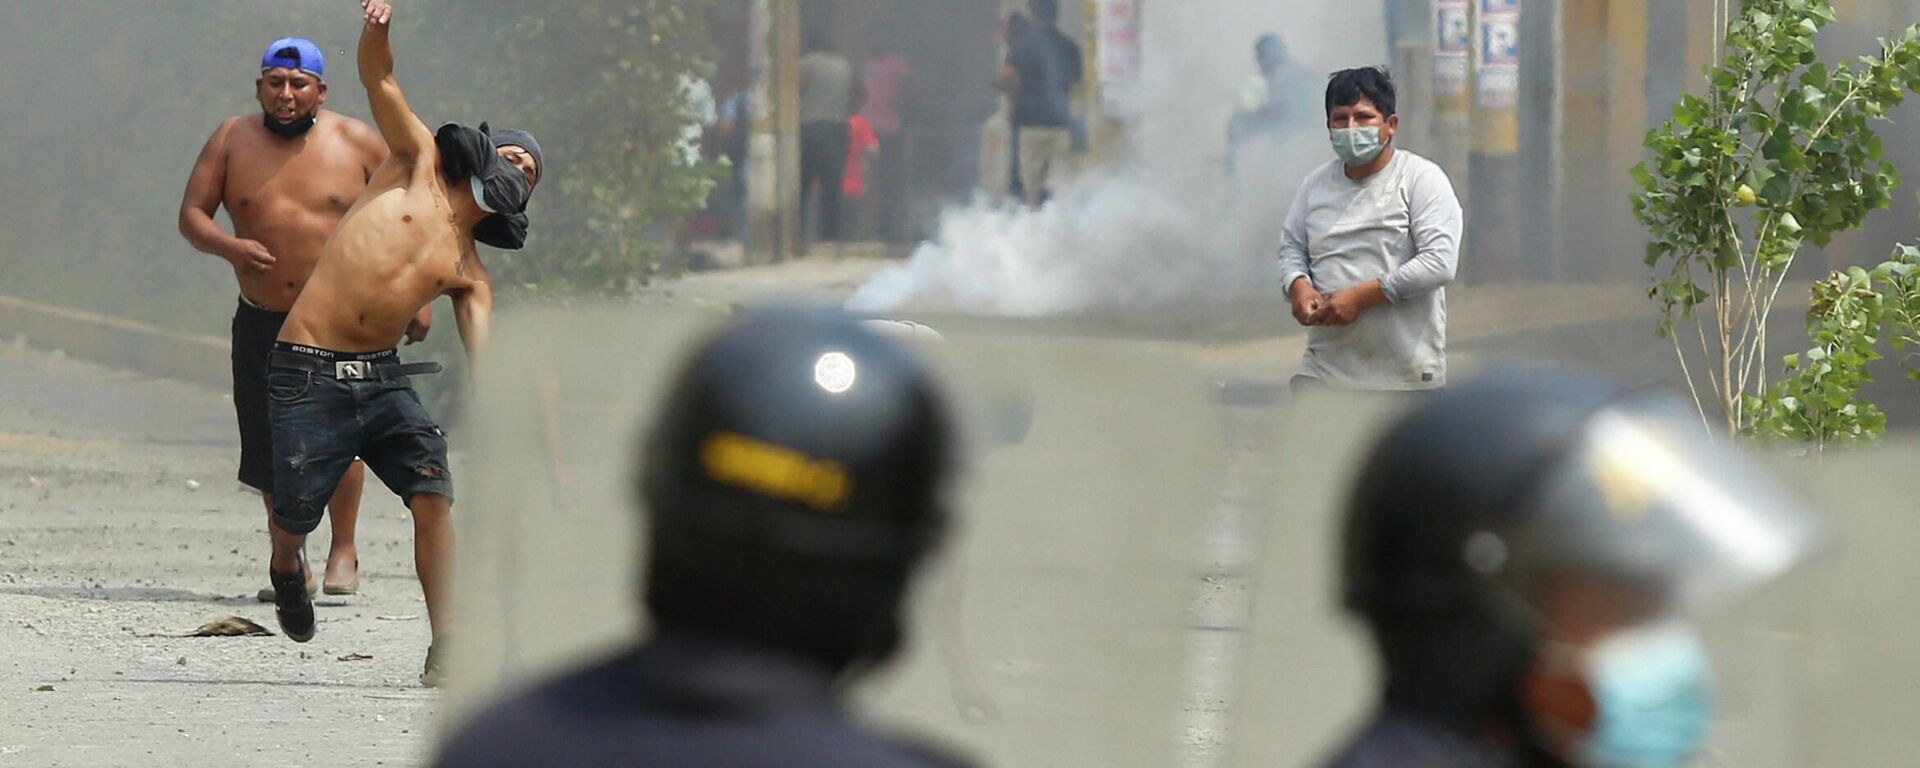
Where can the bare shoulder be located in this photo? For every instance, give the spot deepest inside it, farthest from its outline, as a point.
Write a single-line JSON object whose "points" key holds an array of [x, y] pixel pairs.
{"points": [[357, 130], [238, 127], [236, 138], [363, 138]]}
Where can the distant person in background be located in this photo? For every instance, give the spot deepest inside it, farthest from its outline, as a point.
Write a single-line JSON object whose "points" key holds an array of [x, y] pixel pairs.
{"points": [[826, 101], [1272, 101], [1045, 68], [286, 176], [885, 76], [794, 486], [734, 127], [1368, 249], [862, 147], [1000, 170]]}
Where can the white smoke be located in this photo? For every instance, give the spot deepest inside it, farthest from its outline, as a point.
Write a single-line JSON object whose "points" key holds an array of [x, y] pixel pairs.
{"points": [[1122, 239], [1168, 227]]}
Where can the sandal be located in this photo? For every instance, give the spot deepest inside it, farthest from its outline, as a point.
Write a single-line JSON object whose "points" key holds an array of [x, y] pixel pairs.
{"points": [[349, 588], [433, 675]]}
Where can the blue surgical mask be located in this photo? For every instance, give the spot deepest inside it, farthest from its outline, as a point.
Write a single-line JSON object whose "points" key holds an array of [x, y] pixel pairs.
{"points": [[1653, 696], [1357, 146]]}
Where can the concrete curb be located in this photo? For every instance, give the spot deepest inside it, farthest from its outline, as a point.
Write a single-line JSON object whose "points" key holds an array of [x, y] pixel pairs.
{"points": [[119, 343]]}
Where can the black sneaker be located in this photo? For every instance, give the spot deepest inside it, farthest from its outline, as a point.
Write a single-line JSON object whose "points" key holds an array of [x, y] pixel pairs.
{"points": [[266, 593], [292, 605]]}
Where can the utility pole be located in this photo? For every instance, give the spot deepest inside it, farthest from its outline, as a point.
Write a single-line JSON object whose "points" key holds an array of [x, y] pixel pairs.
{"points": [[1411, 48], [1111, 43], [786, 111], [1494, 235], [1603, 119], [1451, 122], [774, 152]]}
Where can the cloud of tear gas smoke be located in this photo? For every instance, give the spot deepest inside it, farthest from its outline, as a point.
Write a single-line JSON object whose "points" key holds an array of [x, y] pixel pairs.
{"points": [[1168, 226]]}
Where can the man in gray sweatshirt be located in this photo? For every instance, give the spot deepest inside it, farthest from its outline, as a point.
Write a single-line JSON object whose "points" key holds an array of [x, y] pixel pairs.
{"points": [[1370, 244]]}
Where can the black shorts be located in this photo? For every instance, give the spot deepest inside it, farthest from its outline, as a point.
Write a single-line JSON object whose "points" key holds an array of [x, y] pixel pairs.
{"points": [[254, 330], [321, 422]]}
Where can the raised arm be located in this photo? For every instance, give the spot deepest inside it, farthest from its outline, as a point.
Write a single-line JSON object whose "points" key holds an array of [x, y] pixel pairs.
{"points": [[407, 137]]}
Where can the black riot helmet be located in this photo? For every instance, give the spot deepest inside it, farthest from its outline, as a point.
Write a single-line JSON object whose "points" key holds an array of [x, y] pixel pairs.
{"points": [[793, 482], [1475, 503]]}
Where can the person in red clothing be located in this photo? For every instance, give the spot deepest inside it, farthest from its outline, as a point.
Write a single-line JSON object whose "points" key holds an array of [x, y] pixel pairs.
{"points": [[886, 76], [862, 145]]}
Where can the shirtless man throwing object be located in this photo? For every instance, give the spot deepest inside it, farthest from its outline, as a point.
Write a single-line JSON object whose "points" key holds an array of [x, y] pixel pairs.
{"points": [[286, 178], [335, 386]]}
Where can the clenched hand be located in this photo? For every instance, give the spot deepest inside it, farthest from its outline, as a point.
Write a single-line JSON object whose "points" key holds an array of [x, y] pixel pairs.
{"points": [[379, 12], [1306, 301], [253, 256]]}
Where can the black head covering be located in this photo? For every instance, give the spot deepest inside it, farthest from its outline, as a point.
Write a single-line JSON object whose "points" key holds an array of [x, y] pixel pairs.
{"points": [[523, 140]]}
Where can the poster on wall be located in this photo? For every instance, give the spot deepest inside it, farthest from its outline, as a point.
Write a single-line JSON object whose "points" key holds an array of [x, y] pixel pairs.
{"points": [[1452, 47], [1498, 71], [1118, 65]]}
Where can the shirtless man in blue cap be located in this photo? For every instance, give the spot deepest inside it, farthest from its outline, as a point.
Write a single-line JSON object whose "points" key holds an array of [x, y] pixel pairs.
{"points": [[336, 388], [286, 176]]}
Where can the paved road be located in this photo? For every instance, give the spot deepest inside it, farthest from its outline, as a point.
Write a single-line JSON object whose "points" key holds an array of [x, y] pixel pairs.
{"points": [[103, 546]]}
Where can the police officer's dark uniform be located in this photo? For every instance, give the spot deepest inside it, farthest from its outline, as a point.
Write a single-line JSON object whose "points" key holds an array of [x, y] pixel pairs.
{"points": [[793, 485], [1467, 503]]}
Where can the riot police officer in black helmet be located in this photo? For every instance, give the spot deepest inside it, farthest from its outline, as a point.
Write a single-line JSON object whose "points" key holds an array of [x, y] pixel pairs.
{"points": [[793, 485], [1526, 551]]}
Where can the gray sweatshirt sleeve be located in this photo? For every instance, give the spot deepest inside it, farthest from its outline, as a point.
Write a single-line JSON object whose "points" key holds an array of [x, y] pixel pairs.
{"points": [[1436, 223], [1293, 241]]}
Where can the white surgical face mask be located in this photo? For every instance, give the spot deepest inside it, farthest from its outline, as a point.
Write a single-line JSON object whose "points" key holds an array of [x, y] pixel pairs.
{"points": [[1358, 145]]}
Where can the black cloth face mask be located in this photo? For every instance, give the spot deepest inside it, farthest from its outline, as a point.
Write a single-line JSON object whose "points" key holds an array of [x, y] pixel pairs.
{"points": [[506, 232], [500, 188], [293, 130]]}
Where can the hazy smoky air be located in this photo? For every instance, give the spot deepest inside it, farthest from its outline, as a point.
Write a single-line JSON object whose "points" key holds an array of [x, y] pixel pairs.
{"points": [[1168, 225]]}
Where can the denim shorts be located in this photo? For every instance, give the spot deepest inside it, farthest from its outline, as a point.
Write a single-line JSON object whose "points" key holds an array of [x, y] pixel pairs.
{"points": [[321, 422]]}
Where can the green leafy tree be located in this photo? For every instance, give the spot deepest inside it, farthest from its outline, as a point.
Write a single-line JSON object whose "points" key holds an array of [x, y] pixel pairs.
{"points": [[1818, 402], [609, 86], [1778, 154], [1901, 278]]}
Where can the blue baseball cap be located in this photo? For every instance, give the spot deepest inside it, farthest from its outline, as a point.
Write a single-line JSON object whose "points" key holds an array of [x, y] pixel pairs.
{"points": [[297, 53]]}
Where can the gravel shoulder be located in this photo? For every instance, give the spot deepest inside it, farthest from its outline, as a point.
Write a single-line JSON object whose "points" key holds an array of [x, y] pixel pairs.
{"points": [[105, 548]]}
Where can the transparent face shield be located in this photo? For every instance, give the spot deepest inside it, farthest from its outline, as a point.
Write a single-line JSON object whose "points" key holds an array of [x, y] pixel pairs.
{"points": [[1654, 520], [1635, 530], [1646, 501]]}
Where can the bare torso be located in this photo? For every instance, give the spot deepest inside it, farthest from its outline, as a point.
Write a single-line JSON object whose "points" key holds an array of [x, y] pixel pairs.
{"points": [[398, 248], [290, 195]]}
